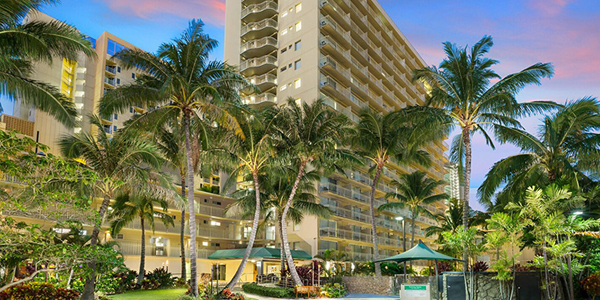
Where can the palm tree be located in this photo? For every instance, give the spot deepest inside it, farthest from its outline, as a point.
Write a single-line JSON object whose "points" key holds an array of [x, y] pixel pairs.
{"points": [[23, 45], [461, 96], [379, 139], [250, 154], [414, 191], [335, 257], [276, 186], [566, 148], [127, 207], [121, 160], [312, 134], [182, 84]]}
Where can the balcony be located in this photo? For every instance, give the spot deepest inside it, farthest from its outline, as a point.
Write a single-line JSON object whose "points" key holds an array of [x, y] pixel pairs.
{"points": [[261, 99], [360, 53], [259, 29], [259, 47], [331, 66], [332, 28], [259, 11], [333, 88], [110, 82], [334, 49], [258, 65], [264, 82], [334, 10], [110, 70]]}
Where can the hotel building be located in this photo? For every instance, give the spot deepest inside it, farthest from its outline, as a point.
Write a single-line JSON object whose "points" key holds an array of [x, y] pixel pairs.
{"points": [[350, 53]]}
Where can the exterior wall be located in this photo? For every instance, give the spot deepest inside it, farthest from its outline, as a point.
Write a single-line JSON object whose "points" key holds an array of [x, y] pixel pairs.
{"points": [[383, 285]]}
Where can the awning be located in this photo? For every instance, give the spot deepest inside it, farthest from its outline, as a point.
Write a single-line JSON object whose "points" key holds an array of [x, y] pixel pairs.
{"points": [[418, 252], [262, 252]]}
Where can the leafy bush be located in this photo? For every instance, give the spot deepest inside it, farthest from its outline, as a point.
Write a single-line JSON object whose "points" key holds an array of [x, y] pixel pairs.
{"points": [[336, 290], [202, 290], [387, 269], [444, 266], [180, 283], [159, 278], [38, 291], [591, 285], [228, 295], [275, 292], [308, 274], [480, 266], [107, 284]]}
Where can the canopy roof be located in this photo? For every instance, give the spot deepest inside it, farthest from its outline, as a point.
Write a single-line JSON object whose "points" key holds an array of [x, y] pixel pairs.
{"points": [[418, 252], [262, 252]]}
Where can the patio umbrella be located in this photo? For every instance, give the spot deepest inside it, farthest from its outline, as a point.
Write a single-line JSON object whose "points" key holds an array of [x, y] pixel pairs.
{"points": [[420, 252]]}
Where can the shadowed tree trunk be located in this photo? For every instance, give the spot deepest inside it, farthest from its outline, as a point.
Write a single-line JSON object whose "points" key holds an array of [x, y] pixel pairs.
{"points": [[191, 210], [281, 251], [90, 282], [182, 234], [142, 252], [240, 270], [373, 224], [285, 242], [467, 180]]}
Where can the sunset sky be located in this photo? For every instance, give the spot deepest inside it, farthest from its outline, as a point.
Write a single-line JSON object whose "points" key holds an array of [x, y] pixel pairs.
{"points": [[564, 32]]}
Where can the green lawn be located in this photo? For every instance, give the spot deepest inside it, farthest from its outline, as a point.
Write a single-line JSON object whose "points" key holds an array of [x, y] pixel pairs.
{"points": [[170, 294]]}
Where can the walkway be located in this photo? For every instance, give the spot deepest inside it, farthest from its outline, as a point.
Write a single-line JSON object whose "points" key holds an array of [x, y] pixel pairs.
{"points": [[350, 296]]}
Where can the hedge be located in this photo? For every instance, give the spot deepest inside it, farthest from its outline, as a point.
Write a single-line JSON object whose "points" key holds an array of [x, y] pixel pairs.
{"points": [[276, 292]]}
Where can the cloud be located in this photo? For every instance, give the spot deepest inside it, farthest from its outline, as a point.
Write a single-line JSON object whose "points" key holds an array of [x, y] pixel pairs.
{"points": [[210, 11], [550, 7]]}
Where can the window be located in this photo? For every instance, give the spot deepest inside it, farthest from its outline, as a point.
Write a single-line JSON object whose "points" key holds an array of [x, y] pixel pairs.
{"points": [[133, 75], [284, 32], [283, 87], [298, 83], [116, 117], [220, 270], [297, 45], [131, 109], [298, 26], [119, 236], [215, 223], [298, 101], [217, 202], [115, 128], [283, 50], [204, 244], [297, 64], [298, 7], [285, 13], [118, 69], [284, 68], [118, 81]]}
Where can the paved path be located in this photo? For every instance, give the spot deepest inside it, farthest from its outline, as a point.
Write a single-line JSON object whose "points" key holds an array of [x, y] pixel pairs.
{"points": [[350, 296]]}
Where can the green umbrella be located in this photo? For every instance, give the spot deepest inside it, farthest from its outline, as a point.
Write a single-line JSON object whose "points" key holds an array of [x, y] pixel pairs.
{"points": [[418, 252]]}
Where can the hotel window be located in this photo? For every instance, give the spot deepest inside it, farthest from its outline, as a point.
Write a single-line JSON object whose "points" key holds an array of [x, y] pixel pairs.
{"points": [[284, 68], [298, 26], [297, 45], [119, 69], [215, 223], [115, 128], [283, 87], [284, 32], [298, 83], [133, 75], [118, 81], [285, 13], [131, 109], [116, 117], [298, 101], [297, 64], [298, 7]]}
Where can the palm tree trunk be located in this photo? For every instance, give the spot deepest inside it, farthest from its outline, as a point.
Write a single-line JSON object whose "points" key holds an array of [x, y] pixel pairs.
{"points": [[284, 238], [182, 233], [142, 253], [90, 282], [191, 210], [412, 239], [240, 270], [373, 224], [281, 251], [467, 181]]}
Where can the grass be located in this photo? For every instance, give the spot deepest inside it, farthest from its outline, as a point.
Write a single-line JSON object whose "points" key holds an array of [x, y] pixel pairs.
{"points": [[168, 294]]}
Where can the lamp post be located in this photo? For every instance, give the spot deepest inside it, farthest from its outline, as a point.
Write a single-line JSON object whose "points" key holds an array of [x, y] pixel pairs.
{"points": [[401, 218]]}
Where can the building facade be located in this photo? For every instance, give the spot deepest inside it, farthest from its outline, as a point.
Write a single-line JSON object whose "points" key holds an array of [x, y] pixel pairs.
{"points": [[351, 54]]}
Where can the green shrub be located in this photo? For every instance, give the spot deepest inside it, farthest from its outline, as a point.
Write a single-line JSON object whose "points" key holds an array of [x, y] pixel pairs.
{"points": [[38, 291], [335, 290], [253, 288], [159, 278]]}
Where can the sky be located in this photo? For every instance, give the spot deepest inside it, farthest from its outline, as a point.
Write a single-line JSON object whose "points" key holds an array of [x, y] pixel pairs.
{"points": [[563, 32]]}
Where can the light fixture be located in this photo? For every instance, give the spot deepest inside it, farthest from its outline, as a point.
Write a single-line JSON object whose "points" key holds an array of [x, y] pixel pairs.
{"points": [[578, 212], [399, 218]]}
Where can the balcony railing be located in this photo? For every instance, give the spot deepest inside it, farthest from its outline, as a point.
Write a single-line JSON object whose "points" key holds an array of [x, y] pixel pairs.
{"points": [[258, 61], [110, 81], [260, 98], [254, 26], [256, 44], [263, 79], [111, 69], [260, 7]]}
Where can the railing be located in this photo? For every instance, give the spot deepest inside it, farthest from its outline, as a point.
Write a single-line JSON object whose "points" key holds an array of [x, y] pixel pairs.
{"points": [[111, 69], [326, 41], [337, 9], [259, 25], [328, 61], [258, 61], [265, 78], [327, 21], [264, 97], [254, 44], [254, 8], [110, 81]]}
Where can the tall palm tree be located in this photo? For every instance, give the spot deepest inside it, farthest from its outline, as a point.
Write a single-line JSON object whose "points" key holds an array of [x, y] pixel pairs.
{"points": [[182, 84], [451, 219], [24, 45], [381, 138], [121, 160], [566, 147], [463, 96], [251, 154], [276, 186], [127, 207], [414, 191], [310, 134]]}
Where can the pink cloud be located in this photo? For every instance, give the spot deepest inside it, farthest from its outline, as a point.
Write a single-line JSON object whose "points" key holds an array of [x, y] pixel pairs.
{"points": [[550, 7], [210, 11]]}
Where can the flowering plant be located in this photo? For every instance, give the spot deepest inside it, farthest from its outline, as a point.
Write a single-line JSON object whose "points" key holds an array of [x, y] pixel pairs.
{"points": [[591, 284]]}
